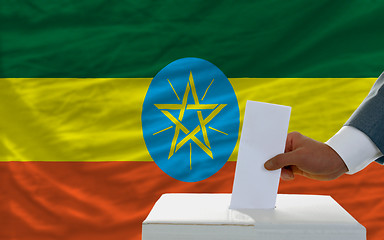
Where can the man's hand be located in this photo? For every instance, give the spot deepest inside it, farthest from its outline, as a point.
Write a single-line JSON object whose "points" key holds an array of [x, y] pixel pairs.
{"points": [[307, 157]]}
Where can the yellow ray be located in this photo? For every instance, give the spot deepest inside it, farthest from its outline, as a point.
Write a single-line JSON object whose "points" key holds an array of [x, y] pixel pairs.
{"points": [[174, 90], [217, 130], [207, 90], [163, 130]]}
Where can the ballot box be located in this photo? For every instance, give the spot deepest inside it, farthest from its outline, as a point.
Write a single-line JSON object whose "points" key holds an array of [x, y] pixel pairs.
{"points": [[208, 217]]}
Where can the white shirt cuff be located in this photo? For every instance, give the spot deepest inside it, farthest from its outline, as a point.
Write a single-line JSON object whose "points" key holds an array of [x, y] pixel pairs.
{"points": [[355, 148]]}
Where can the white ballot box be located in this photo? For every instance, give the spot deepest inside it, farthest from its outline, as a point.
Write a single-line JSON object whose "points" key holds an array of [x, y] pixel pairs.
{"points": [[208, 217]]}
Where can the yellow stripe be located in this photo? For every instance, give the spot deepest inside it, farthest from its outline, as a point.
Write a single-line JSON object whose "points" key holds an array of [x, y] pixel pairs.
{"points": [[87, 119]]}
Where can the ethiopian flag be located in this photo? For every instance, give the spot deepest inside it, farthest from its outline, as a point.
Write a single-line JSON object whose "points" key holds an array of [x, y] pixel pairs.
{"points": [[74, 76]]}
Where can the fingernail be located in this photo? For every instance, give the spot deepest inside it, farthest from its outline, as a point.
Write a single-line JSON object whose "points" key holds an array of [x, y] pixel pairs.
{"points": [[286, 175], [268, 165]]}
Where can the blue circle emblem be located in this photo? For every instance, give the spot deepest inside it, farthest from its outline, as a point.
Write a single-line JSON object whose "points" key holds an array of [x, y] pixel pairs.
{"points": [[190, 119]]}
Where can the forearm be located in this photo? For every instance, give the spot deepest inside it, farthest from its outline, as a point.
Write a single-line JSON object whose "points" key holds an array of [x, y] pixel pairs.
{"points": [[355, 148], [369, 116]]}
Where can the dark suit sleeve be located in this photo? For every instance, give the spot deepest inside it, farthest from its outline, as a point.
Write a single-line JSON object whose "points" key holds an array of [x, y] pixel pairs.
{"points": [[369, 116]]}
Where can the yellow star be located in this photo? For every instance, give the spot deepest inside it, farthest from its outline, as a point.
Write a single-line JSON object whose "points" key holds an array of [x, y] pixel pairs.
{"points": [[203, 121]]}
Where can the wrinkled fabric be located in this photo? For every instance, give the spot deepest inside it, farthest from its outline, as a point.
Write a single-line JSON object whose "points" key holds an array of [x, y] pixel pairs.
{"points": [[73, 162], [109, 200], [99, 38], [87, 119], [73, 76]]}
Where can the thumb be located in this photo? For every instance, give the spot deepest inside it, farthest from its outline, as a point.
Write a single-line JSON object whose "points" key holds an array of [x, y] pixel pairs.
{"points": [[281, 160]]}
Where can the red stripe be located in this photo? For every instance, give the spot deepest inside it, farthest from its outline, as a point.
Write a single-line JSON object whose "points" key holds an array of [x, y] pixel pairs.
{"points": [[83, 200]]}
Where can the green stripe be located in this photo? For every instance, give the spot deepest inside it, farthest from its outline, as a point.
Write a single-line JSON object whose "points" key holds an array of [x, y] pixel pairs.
{"points": [[100, 38]]}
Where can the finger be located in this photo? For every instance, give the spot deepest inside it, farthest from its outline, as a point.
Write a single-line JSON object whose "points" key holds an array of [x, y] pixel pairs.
{"points": [[292, 137], [287, 174], [288, 143], [282, 160], [297, 171]]}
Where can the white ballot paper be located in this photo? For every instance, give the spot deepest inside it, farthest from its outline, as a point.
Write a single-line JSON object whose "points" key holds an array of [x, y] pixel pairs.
{"points": [[263, 136]]}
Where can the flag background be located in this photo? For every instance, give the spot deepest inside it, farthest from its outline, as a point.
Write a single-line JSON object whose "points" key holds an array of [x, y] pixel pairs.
{"points": [[74, 75]]}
